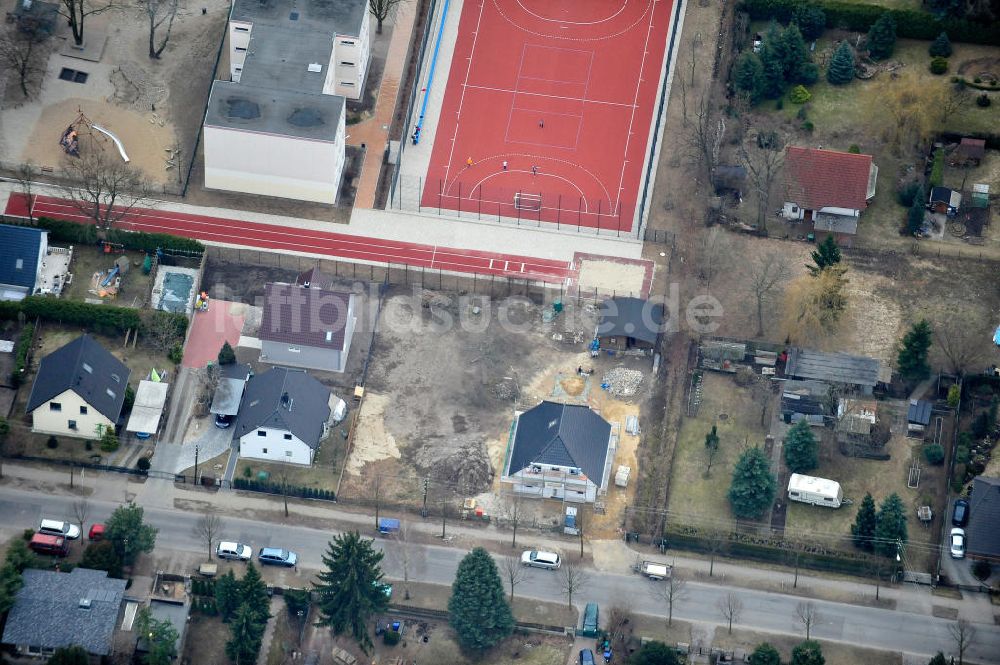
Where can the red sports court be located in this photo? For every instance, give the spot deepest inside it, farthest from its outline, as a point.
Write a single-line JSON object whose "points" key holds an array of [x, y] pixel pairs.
{"points": [[563, 92]]}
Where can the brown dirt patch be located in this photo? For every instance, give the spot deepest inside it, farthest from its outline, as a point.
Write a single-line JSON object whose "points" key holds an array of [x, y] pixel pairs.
{"points": [[573, 385]]}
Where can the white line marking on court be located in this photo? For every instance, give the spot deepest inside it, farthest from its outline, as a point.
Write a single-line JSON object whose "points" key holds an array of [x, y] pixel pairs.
{"points": [[461, 99], [506, 264], [491, 264], [433, 254], [635, 101], [541, 94], [557, 20], [522, 267], [607, 37]]}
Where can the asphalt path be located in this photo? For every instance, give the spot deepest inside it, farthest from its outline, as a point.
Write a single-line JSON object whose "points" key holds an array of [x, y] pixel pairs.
{"points": [[764, 611]]}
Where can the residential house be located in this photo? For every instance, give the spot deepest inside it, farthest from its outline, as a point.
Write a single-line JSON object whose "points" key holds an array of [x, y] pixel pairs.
{"points": [[982, 534], [79, 390], [630, 323], [841, 369], [284, 417], [292, 67], [54, 610], [829, 188], [307, 327], [24, 250], [560, 451]]}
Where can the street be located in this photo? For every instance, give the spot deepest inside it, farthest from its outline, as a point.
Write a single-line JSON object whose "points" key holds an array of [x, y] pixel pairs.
{"points": [[765, 611]]}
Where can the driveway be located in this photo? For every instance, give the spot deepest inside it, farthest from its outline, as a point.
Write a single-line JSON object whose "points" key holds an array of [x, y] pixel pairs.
{"points": [[223, 322]]}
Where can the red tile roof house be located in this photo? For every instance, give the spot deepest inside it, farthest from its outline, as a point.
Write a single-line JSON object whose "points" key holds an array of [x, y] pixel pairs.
{"points": [[308, 327], [828, 188]]}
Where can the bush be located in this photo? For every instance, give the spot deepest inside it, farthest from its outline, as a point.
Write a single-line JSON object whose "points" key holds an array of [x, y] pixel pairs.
{"points": [[962, 455], [934, 453], [176, 354], [941, 46], [939, 65], [24, 342], [106, 319], [52, 443], [799, 95], [109, 440], [855, 149], [808, 126], [983, 100], [803, 113], [780, 104], [937, 169], [982, 570], [27, 535], [86, 234], [143, 464], [811, 20], [808, 73], [908, 191], [390, 638]]}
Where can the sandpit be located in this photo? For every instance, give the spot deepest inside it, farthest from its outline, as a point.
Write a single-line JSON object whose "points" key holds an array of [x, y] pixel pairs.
{"points": [[145, 140], [611, 275]]}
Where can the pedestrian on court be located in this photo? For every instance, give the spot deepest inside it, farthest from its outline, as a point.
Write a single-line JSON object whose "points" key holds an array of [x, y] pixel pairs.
{"points": [[541, 123], [468, 162], [534, 170], [505, 165]]}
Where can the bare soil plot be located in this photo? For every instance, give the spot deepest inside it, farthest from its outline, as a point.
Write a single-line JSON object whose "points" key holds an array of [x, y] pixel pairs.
{"points": [[206, 639], [737, 418], [90, 265]]}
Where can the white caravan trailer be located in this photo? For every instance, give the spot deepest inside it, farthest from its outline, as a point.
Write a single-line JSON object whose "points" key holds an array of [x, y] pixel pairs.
{"points": [[817, 491]]}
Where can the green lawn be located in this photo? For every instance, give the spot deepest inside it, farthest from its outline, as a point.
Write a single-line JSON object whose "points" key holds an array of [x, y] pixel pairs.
{"points": [[691, 492]]}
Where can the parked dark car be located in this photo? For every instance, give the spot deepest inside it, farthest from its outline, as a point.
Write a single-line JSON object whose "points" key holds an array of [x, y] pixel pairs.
{"points": [[960, 514], [586, 657]]}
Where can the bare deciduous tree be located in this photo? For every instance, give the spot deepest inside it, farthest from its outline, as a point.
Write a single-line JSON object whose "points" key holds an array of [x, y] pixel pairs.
{"points": [[377, 496], [76, 11], [807, 615], [957, 340], [670, 592], [159, 12], [382, 10], [513, 570], [762, 155], [208, 528], [105, 188], [963, 633], [406, 553], [704, 136], [81, 509], [730, 607], [572, 579], [814, 305], [619, 617], [715, 253], [513, 509], [765, 278], [21, 53], [25, 174]]}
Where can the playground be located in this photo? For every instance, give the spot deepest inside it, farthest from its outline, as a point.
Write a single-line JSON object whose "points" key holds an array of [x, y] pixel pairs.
{"points": [[113, 278]]}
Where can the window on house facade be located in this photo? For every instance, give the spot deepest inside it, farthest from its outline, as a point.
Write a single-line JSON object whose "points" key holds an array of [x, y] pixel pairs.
{"points": [[288, 453], [71, 424], [264, 450], [55, 406], [346, 64], [240, 49], [239, 29], [347, 42], [288, 437], [347, 83], [261, 432], [83, 410]]}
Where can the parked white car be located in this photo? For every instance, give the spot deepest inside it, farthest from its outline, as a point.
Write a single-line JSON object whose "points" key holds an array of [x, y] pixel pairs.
{"points": [[957, 543], [537, 559]]}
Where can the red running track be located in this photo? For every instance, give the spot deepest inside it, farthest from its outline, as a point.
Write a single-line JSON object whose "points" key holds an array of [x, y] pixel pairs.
{"points": [[335, 245], [564, 92]]}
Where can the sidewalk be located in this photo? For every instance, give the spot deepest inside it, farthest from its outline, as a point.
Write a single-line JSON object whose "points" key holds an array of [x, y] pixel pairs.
{"points": [[609, 555]]}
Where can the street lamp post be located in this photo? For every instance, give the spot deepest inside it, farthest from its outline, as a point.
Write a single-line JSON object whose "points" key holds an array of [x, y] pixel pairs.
{"points": [[196, 464]]}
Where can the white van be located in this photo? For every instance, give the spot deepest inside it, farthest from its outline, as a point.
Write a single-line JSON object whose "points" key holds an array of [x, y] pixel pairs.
{"points": [[537, 559], [59, 528], [236, 551]]}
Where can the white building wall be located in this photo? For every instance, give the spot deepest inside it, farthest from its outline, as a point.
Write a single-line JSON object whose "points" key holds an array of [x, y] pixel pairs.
{"points": [[554, 482], [272, 165], [46, 420], [239, 42], [272, 446], [349, 63]]}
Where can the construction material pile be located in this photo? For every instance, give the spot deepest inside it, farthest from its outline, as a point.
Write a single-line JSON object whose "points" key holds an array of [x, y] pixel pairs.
{"points": [[622, 382]]}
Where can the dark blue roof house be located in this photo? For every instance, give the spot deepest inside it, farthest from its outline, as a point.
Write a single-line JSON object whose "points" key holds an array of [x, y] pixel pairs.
{"points": [[560, 451], [21, 260]]}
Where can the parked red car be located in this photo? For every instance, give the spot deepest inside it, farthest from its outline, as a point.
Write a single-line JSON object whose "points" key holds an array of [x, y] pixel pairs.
{"points": [[96, 532]]}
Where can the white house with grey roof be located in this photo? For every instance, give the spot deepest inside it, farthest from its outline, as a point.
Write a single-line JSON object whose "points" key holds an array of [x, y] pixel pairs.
{"points": [[277, 126], [560, 451], [284, 417], [79, 390], [54, 610]]}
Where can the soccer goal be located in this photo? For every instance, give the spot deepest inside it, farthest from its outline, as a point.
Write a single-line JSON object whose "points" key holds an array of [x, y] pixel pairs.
{"points": [[531, 202]]}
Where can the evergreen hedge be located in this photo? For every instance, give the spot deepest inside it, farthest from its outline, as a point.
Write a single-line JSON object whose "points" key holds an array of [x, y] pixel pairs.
{"points": [[858, 17], [86, 234], [105, 319], [266, 487]]}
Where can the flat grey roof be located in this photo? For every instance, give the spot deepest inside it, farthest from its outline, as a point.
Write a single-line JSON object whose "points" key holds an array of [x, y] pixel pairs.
{"points": [[279, 58], [329, 16], [283, 112], [228, 395], [834, 367]]}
